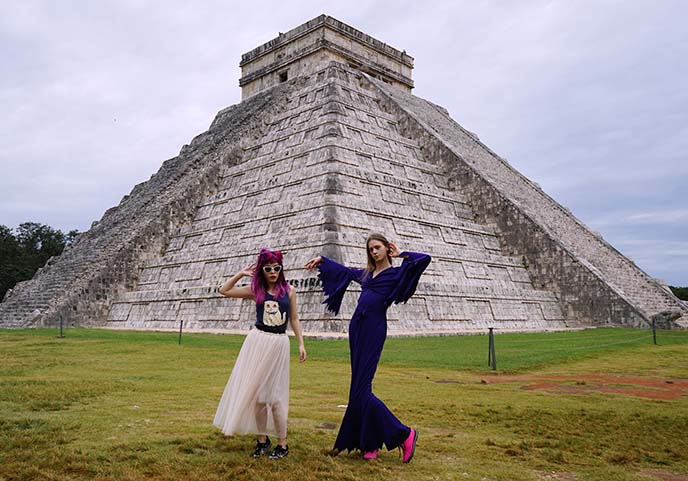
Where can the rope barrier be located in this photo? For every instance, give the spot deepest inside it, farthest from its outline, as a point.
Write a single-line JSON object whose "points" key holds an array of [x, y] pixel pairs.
{"points": [[513, 349], [579, 348], [505, 348], [568, 338]]}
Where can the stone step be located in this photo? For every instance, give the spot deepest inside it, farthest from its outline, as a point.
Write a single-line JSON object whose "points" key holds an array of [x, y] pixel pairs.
{"points": [[210, 292]]}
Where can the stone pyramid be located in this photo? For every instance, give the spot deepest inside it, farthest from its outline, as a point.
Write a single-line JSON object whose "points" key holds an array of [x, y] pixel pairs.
{"points": [[328, 145]]}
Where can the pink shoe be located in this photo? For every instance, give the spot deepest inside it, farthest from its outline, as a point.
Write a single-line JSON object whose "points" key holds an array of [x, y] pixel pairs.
{"points": [[408, 447], [370, 455]]}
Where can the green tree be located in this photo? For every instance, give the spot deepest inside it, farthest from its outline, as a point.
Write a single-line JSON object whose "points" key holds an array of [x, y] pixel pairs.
{"points": [[10, 272], [680, 292], [39, 243], [71, 237], [24, 252]]}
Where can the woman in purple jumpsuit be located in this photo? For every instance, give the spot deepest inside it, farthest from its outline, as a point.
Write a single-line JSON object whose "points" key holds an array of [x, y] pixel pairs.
{"points": [[368, 423]]}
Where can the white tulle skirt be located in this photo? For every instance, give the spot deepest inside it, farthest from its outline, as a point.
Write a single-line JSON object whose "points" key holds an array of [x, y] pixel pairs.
{"points": [[256, 398]]}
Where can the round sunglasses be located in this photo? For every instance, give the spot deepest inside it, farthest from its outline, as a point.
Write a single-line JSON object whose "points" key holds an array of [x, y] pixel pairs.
{"points": [[269, 269]]}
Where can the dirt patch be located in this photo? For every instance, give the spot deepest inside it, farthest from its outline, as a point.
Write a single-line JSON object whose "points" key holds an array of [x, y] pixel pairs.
{"points": [[326, 426], [664, 475], [557, 476], [584, 384]]}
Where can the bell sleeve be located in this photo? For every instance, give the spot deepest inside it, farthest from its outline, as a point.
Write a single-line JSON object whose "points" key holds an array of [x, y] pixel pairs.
{"points": [[409, 274], [335, 280]]}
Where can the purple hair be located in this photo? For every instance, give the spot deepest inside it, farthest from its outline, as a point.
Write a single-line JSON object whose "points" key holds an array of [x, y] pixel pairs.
{"points": [[259, 285]]}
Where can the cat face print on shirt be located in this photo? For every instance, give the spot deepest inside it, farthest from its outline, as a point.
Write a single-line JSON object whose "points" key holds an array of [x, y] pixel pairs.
{"points": [[272, 315]]}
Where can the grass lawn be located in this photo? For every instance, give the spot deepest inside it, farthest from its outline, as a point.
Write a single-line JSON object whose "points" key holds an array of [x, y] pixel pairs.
{"points": [[599, 405]]}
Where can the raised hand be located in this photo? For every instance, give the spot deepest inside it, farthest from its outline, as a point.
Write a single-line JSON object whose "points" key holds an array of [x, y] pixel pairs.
{"points": [[394, 251], [249, 270], [313, 263]]}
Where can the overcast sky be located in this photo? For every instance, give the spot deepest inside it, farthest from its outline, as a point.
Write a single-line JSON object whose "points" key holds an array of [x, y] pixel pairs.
{"points": [[587, 98]]}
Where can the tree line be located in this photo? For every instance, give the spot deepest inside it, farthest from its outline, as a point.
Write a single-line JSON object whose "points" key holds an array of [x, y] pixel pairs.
{"points": [[680, 292], [26, 249]]}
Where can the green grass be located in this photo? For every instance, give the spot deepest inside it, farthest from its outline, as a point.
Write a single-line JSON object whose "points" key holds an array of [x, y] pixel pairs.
{"points": [[120, 405]]}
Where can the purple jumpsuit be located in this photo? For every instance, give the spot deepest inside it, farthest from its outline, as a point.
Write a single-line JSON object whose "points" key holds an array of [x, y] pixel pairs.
{"points": [[368, 423]]}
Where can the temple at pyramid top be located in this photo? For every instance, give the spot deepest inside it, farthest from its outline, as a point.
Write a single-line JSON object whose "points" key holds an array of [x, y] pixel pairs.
{"points": [[308, 47]]}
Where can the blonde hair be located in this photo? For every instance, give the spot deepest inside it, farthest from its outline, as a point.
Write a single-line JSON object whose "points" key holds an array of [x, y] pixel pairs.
{"points": [[371, 262]]}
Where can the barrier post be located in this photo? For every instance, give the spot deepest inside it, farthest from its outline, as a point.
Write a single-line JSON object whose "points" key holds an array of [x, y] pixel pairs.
{"points": [[654, 332], [61, 335], [491, 358], [181, 324]]}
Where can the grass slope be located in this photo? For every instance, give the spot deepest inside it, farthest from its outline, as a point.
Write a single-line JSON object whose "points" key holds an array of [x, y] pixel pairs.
{"points": [[110, 405]]}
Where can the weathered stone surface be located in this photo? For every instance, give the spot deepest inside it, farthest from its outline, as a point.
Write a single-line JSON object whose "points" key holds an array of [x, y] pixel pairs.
{"points": [[312, 165]]}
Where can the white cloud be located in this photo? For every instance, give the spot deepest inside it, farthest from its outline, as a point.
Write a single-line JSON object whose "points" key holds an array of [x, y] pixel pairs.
{"points": [[655, 217]]}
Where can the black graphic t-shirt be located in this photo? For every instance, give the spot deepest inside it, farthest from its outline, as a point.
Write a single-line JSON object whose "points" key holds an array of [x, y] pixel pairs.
{"points": [[273, 314]]}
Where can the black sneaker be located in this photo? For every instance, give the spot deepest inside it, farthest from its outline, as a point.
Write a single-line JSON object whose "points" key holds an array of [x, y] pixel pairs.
{"points": [[261, 448], [279, 452]]}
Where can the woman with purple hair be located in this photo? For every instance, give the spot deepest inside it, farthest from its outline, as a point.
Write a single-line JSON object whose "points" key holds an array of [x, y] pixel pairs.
{"points": [[368, 423], [256, 398]]}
